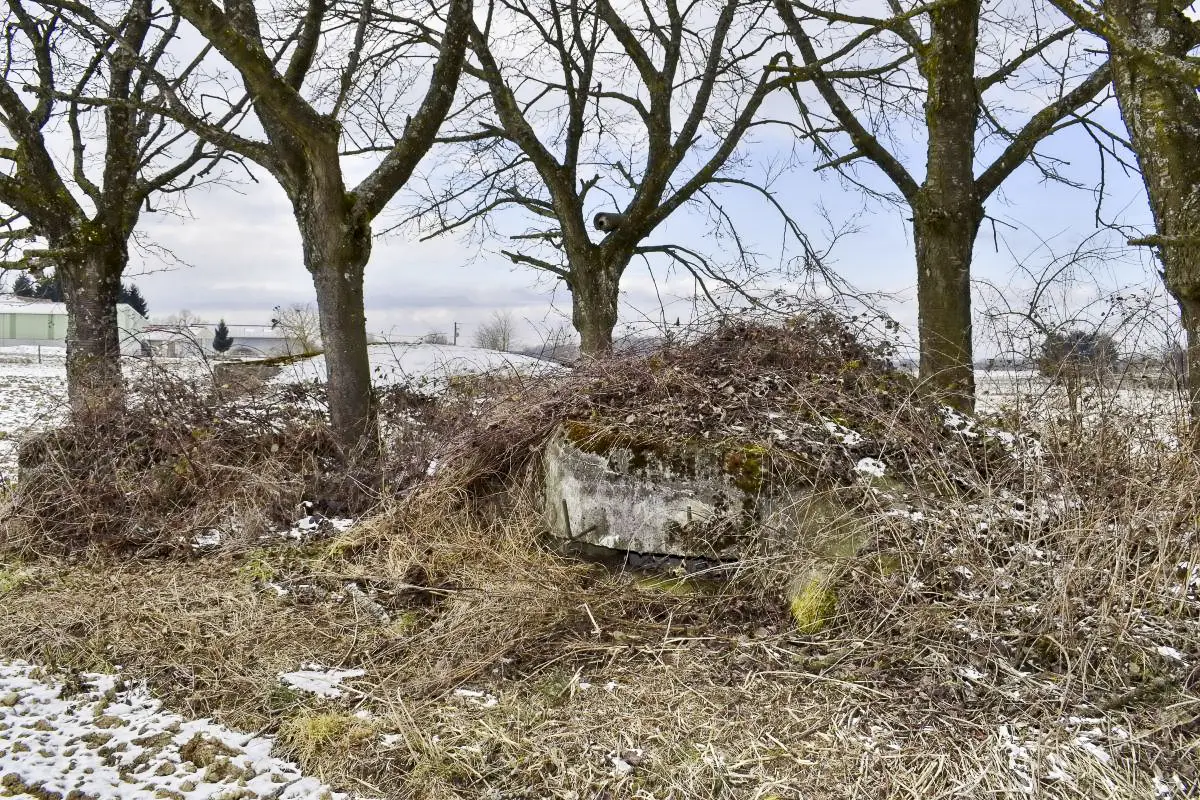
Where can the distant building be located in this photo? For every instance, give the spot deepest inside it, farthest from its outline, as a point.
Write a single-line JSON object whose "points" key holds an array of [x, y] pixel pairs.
{"points": [[196, 339], [28, 321]]}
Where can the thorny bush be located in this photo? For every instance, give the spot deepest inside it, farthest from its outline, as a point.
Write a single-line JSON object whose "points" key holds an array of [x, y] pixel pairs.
{"points": [[185, 459], [811, 394]]}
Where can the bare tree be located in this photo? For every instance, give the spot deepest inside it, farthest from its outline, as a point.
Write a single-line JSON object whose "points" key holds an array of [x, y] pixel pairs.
{"points": [[184, 318], [75, 180], [326, 81], [605, 122], [496, 333], [948, 67], [301, 323], [1151, 45], [1064, 313]]}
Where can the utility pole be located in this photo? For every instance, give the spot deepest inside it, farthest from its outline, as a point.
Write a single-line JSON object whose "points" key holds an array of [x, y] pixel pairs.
{"points": [[456, 333]]}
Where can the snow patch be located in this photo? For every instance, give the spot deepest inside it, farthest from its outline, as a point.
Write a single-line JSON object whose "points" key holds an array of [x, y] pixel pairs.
{"points": [[870, 466], [1170, 652], [423, 368], [477, 698], [319, 680]]}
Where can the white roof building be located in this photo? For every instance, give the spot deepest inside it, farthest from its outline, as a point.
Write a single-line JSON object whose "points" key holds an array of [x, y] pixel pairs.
{"points": [[196, 340], [29, 321]]}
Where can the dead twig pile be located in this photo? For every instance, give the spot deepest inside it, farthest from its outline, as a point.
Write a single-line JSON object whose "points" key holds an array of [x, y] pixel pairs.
{"points": [[182, 462]]}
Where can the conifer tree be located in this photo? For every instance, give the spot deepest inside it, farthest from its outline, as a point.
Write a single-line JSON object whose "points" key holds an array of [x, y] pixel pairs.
{"points": [[222, 341]]}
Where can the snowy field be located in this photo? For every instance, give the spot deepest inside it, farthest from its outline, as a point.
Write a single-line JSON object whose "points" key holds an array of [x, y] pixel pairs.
{"points": [[95, 737], [425, 368], [1145, 412], [33, 396], [33, 386], [1026, 388]]}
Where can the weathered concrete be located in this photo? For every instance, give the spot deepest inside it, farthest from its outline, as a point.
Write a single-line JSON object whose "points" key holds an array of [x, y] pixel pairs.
{"points": [[636, 501], [689, 501]]}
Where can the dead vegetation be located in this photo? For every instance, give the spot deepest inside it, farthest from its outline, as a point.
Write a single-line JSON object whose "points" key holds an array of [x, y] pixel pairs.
{"points": [[182, 462], [1023, 621], [809, 397]]}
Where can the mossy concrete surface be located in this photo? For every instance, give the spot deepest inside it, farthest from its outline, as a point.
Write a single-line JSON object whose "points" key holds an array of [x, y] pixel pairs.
{"points": [[689, 499], [644, 501]]}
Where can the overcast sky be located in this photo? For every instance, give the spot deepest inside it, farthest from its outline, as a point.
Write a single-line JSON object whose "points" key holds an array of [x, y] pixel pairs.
{"points": [[238, 253]]}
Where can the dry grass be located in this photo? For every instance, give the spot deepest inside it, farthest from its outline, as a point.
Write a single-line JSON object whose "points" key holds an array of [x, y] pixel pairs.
{"points": [[1008, 631]]}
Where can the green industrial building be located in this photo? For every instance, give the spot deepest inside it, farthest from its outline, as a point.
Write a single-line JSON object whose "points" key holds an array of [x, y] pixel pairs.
{"points": [[26, 321]]}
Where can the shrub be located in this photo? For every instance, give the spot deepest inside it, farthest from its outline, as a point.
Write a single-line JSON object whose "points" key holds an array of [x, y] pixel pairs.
{"points": [[181, 462]]}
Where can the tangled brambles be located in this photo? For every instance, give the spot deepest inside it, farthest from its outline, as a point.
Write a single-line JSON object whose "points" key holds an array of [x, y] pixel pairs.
{"points": [[807, 392], [182, 462]]}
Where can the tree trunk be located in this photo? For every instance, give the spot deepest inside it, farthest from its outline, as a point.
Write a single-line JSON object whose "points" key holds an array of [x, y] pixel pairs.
{"points": [[1163, 118], [1190, 312], [945, 238], [91, 288], [946, 211], [337, 247], [594, 292]]}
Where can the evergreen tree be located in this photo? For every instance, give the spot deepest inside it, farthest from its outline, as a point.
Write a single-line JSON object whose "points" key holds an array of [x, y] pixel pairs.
{"points": [[44, 288], [131, 295], [23, 286], [222, 341], [1079, 352]]}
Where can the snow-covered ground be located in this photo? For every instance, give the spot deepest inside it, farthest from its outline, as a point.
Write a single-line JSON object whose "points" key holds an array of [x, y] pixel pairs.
{"points": [[33, 397], [1024, 389], [109, 741], [424, 368], [33, 394], [1148, 414]]}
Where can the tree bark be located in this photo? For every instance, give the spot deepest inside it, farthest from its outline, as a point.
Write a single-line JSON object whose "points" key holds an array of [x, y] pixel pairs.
{"points": [[1189, 308], [337, 246], [91, 288], [594, 292], [947, 211], [944, 232], [1162, 114]]}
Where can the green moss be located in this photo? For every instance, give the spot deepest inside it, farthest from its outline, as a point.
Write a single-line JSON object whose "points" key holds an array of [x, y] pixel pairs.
{"points": [[599, 439], [310, 735], [673, 585], [746, 466], [259, 567], [283, 698], [645, 452], [812, 603], [12, 579], [404, 624]]}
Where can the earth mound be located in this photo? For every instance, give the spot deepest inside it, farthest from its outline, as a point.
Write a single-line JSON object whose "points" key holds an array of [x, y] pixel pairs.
{"points": [[698, 448]]}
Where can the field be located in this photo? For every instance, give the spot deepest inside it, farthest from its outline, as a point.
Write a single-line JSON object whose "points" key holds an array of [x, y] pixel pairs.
{"points": [[33, 397], [1028, 637]]}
